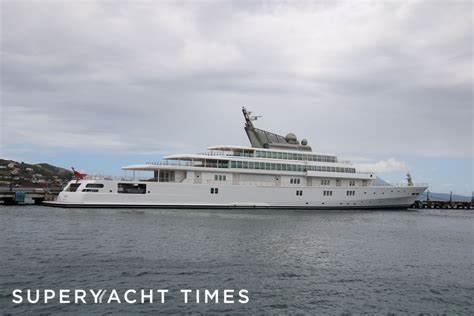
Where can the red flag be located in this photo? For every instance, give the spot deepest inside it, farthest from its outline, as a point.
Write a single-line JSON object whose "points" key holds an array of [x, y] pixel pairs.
{"points": [[77, 174]]}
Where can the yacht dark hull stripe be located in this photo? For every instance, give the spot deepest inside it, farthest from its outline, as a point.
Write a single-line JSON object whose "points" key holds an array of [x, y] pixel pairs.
{"points": [[244, 207]]}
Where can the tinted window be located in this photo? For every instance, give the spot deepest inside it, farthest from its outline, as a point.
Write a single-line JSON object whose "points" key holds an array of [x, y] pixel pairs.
{"points": [[132, 188], [95, 185]]}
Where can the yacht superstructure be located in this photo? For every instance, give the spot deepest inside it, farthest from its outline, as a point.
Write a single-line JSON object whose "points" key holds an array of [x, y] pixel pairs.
{"points": [[274, 172]]}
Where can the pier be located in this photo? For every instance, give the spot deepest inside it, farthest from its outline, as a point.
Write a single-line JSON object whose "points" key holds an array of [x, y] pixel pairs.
{"points": [[26, 196], [439, 204]]}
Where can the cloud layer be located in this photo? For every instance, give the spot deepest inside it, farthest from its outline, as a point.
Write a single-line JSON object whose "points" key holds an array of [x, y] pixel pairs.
{"points": [[355, 78], [383, 166]]}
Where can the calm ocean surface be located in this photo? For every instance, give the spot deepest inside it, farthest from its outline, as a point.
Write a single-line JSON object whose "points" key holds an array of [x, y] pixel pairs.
{"points": [[290, 262]]}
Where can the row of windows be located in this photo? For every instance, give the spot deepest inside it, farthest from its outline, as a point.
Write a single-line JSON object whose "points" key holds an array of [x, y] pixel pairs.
{"points": [[286, 167], [131, 188], [219, 177], [214, 190], [299, 192], [294, 156], [350, 193], [294, 181], [351, 183], [327, 193], [324, 182], [90, 190]]}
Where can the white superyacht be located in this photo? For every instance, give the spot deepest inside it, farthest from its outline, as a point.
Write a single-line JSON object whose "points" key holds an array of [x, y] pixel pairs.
{"points": [[275, 172]]}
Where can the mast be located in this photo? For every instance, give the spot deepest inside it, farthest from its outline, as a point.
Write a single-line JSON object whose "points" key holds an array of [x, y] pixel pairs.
{"points": [[264, 139], [248, 119]]}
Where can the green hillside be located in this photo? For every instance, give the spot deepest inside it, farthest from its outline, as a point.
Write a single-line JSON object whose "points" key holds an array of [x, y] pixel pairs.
{"points": [[33, 175]]}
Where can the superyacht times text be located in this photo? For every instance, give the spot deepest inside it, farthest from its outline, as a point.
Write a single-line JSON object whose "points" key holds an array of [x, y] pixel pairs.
{"points": [[128, 296]]}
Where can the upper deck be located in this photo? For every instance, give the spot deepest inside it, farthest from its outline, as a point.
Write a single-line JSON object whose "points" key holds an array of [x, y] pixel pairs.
{"points": [[245, 151], [268, 152]]}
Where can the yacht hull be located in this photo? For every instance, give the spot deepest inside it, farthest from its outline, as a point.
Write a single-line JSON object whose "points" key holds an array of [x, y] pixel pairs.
{"points": [[199, 196]]}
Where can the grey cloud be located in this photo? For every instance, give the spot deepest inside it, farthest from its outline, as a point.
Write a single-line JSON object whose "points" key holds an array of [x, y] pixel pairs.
{"points": [[146, 76]]}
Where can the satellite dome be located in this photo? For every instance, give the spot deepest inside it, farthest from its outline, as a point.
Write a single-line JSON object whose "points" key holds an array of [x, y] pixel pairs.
{"points": [[291, 138], [304, 142]]}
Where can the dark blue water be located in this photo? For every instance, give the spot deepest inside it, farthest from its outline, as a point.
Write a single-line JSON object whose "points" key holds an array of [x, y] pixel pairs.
{"points": [[308, 262]]}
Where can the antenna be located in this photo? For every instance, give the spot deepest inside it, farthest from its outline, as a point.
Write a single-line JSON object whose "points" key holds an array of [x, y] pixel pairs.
{"points": [[249, 117], [254, 117]]}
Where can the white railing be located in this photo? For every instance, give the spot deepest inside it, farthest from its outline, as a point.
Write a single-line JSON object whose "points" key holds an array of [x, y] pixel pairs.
{"points": [[344, 161], [171, 163], [184, 163], [404, 184], [215, 153], [115, 178]]}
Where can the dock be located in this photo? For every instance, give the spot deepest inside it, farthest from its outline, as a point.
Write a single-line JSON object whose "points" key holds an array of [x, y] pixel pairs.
{"points": [[28, 196], [439, 204]]}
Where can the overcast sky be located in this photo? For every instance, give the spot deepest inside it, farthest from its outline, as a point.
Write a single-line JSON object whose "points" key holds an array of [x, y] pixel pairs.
{"points": [[384, 83]]}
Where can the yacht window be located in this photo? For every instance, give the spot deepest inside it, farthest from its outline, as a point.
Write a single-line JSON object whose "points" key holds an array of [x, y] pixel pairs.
{"points": [[215, 177], [95, 185], [90, 190], [239, 164], [284, 155], [224, 178], [274, 155], [278, 166], [73, 187], [273, 166], [212, 190], [166, 176], [216, 190], [280, 156], [131, 188]]}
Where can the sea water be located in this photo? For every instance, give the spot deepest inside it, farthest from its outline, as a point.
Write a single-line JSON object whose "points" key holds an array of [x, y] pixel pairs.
{"points": [[289, 261]]}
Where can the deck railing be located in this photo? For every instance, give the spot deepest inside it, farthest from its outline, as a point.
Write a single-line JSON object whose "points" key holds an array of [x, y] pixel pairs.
{"points": [[258, 183], [403, 184]]}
